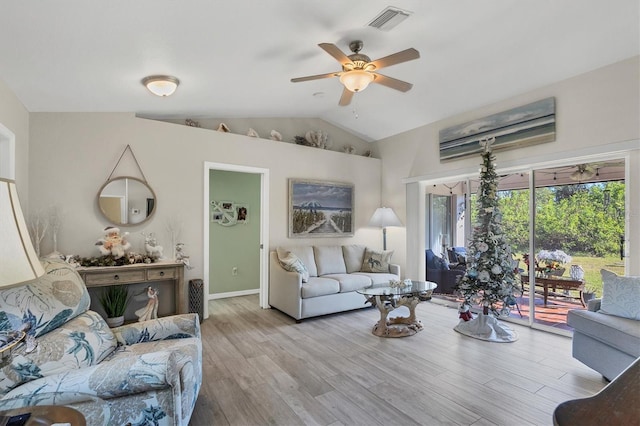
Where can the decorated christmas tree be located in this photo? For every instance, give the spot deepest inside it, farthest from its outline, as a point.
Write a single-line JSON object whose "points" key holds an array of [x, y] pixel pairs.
{"points": [[490, 279]]}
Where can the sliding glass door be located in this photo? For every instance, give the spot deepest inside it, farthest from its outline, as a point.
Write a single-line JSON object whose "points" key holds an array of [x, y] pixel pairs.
{"points": [[564, 224], [441, 214], [579, 226]]}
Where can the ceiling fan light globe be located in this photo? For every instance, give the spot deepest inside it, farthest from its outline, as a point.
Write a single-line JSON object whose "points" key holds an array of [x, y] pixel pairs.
{"points": [[356, 80]]}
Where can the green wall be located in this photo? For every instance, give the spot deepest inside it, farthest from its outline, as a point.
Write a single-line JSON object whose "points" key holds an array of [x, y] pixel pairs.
{"points": [[239, 245]]}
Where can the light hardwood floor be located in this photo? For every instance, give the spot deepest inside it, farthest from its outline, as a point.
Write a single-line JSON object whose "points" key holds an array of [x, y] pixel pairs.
{"points": [[261, 368]]}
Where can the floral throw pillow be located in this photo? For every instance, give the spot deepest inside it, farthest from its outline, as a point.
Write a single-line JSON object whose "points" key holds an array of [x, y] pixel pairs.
{"points": [[620, 295], [376, 261], [292, 263]]}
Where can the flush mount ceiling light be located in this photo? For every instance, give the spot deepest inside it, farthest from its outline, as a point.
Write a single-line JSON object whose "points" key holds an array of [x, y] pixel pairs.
{"points": [[161, 85]]}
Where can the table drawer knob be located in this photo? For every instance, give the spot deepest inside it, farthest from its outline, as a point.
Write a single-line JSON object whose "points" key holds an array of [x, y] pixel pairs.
{"points": [[162, 273], [116, 277]]}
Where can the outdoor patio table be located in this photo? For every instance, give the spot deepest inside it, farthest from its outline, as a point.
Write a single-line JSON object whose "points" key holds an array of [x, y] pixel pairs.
{"points": [[554, 283]]}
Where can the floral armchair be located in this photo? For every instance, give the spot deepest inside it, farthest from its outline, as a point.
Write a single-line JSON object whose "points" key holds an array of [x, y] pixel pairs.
{"points": [[149, 372]]}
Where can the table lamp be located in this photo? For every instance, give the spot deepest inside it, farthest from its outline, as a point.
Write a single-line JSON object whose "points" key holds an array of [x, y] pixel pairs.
{"points": [[383, 217], [19, 263]]}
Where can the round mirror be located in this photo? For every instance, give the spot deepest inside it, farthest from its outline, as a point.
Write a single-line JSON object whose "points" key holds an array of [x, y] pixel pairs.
{"points": [[126, 201]]}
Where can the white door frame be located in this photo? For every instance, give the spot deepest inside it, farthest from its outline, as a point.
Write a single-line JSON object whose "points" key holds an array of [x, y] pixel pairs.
{"points": [[627, 150], [264, 227], [7, 153]]}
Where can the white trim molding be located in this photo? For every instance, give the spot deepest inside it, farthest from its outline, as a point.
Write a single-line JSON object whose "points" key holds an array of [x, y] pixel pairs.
{"points": [[215, 296], [597, 153], [7, 153]]}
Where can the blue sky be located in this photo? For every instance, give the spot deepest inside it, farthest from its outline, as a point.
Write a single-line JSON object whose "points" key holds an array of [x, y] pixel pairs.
{"points": [[326, 195]]}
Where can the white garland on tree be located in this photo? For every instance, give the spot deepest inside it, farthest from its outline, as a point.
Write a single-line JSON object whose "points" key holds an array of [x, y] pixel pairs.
{"points": [[490, 278]]}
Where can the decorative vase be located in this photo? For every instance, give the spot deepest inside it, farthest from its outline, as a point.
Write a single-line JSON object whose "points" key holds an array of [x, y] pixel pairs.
{"points": [[556, 272], [576, 272], [115, 321]]}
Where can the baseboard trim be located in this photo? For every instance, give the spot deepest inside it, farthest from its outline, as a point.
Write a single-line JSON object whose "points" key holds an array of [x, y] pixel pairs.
{"points": [[233, 294]]}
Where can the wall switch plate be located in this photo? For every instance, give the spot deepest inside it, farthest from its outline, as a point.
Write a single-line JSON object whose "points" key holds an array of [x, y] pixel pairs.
{"points": [[234, 270]]}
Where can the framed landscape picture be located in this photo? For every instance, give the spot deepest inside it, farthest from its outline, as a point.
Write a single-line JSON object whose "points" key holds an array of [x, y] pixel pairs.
{"points": [[529, 124], [320, 209]]}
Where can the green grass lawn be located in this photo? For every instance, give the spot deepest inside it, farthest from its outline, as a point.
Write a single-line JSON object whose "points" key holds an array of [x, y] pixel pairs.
{"points": [[592, 266]]}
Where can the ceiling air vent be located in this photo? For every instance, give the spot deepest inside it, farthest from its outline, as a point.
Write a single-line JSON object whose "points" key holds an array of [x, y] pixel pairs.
{"points": [[389, 18]]}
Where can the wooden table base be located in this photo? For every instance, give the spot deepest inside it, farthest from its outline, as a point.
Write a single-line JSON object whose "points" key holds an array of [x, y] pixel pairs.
{"points": [[397, 326]]}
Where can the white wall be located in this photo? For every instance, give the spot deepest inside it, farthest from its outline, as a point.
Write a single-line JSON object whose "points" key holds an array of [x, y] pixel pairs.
{"points": [[15, 117], [72, 155], [597, 108]]}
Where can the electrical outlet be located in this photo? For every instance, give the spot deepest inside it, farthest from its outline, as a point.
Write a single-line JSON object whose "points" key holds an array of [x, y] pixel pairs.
{"points": [[234, 271]]}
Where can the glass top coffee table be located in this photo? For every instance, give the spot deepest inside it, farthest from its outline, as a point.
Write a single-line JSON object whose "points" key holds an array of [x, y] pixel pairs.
{"points": [[387, 298]]}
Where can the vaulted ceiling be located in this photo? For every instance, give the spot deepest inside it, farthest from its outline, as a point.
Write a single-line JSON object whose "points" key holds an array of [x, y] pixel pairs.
{"points": [[236, 58]]}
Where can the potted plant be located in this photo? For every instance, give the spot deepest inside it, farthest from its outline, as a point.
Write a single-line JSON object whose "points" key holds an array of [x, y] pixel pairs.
{"points": [[550, 263], [588, 294], [114, 301]]}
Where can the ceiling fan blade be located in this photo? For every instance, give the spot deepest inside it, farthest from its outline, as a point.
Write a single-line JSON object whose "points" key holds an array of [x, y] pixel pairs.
{"points": [[393, 83], [346, 97], [333, 50], [397, 58], [315, 77]]}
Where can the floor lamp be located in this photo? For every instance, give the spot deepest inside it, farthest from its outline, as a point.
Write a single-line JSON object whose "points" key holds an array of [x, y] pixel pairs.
{"points": [[383, 217]]}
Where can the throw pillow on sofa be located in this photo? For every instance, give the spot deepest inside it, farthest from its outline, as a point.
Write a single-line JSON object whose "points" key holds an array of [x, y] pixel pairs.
{"points": [[353, 256], [292, 263], [376, 261], [620, 295]]}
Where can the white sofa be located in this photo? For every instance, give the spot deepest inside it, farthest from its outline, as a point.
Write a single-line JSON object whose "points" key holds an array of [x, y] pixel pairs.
{"points": [[606, 343], [606, 336], [335, 273]]}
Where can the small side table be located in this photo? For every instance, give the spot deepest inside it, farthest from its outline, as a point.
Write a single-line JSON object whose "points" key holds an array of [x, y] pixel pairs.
{"points": [[64, 407]]}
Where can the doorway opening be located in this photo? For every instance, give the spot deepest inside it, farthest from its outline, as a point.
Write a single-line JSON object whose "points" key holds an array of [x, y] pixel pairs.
{"points": [[236, 206]]}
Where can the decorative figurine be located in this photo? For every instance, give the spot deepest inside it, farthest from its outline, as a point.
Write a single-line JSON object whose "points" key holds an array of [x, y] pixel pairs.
{"points": [[151, 245], [181, 256], [276, 136], [150, 311], [113, 243], [465, 312]]}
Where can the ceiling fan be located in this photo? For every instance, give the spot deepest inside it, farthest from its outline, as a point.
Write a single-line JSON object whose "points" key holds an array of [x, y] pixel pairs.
{"points": [[583, 172], [359, 70]]}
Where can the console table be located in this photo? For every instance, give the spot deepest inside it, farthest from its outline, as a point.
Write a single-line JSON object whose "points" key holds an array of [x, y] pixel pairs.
{"points": [[102, 276]]}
